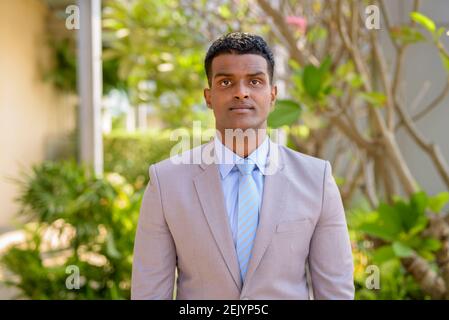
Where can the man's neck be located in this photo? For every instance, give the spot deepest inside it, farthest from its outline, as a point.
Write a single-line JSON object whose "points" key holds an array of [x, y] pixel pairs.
{"points": [[243, 144]]}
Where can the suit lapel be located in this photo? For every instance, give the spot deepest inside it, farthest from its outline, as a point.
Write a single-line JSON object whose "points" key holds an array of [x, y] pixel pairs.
{"points": [[211, 198]]}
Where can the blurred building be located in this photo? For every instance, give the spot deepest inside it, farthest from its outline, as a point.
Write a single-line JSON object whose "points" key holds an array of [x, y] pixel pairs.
{"points": [[36, 120]]}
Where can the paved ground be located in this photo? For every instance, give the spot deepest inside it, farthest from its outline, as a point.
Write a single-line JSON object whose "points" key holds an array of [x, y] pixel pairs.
{"points": [[6, 239]]}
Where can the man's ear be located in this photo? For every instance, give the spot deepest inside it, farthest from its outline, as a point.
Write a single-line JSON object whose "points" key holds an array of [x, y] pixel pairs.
{"points": [[207, 97], [274, 93]]}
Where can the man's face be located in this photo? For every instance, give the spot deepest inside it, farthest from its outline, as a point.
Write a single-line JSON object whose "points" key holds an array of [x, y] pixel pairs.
{"points": [[240, 93]]}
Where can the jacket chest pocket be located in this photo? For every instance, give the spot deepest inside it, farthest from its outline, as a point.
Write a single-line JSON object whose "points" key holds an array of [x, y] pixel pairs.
{"points": [[293, 237], [293, 226]]}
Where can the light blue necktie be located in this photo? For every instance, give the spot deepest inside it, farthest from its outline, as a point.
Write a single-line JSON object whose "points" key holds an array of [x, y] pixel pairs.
{"points": [[248, 214]]}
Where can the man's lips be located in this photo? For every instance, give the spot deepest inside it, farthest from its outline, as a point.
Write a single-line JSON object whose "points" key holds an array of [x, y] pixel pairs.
{"points": [[241, 107]]}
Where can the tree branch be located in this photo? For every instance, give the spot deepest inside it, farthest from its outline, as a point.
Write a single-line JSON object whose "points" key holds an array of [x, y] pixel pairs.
{"points": [[433, 104], [384, 80], [431, 149]]}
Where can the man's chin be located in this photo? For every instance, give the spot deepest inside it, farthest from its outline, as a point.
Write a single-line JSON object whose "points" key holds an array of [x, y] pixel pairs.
{"points": [[245, 128]]}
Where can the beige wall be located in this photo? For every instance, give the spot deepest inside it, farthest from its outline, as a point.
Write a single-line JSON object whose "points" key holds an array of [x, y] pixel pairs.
{"points": [[422, 67], [32, 113]]}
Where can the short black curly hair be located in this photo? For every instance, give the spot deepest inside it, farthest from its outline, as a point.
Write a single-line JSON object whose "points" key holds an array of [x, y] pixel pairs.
{"points": [[239, 43]]}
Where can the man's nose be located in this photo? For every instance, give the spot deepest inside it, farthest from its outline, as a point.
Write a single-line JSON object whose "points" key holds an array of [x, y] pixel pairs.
{"points": [[241, 91]]}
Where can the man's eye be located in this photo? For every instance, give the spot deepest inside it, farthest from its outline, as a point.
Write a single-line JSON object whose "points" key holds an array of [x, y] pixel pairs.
{"points": [[255, 82], [225, 83]]}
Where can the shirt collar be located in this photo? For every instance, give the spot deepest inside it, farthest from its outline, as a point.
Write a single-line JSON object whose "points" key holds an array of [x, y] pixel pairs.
{"points": [[227, 159]]}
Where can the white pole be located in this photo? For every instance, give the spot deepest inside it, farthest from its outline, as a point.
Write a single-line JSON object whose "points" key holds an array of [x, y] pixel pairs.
{"points": [[106, 121], [130, 120], [142, 117], [90, 85]]}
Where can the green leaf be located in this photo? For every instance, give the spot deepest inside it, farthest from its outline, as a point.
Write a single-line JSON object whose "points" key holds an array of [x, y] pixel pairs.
{"points": [[224, 11], [286, 112], [325, 65], [355, 81], [429, 256], [419, 201], [360, 216], [376, 99], [327, 89], [438, 33], [390, 219], [340, 181], [383, 254], [421, 19], [407, 35], [437, 203], [430, 244], [420, 225], [413, 215], [316, 33], [406, 214], [294, 65], [312, 79], [345, 69], [378, 231], [401, 250]]}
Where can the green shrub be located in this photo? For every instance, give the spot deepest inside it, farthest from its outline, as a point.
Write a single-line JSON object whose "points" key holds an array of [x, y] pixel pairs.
{"points": [[131, 154], [97, 217], [386, 236]]}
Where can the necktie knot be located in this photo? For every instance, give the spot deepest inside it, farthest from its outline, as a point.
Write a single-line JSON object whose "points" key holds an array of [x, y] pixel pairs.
{"points": [[246, 167]]}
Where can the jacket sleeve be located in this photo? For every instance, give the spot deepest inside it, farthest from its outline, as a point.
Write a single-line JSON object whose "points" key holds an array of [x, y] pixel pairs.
{"points": [[330, 256], [154, 260]]}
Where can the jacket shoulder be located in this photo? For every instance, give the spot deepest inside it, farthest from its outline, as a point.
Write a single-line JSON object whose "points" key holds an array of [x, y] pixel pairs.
{"points": [[181, 163], [304, 170], [302, 160]]}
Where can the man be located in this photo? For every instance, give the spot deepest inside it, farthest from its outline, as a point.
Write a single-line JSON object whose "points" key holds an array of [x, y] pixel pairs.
{"points": [[245, 225]]}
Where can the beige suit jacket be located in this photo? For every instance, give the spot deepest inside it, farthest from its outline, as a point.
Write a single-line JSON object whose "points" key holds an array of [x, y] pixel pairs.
{"points": [[183, 225]]}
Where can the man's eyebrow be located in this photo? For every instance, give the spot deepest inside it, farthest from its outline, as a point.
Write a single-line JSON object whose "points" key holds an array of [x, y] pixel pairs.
{"points": [[258, 73], [223, 74]]}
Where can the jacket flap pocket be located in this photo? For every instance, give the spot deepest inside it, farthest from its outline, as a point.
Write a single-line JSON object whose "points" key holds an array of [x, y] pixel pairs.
{"points": [[291, 226]]}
